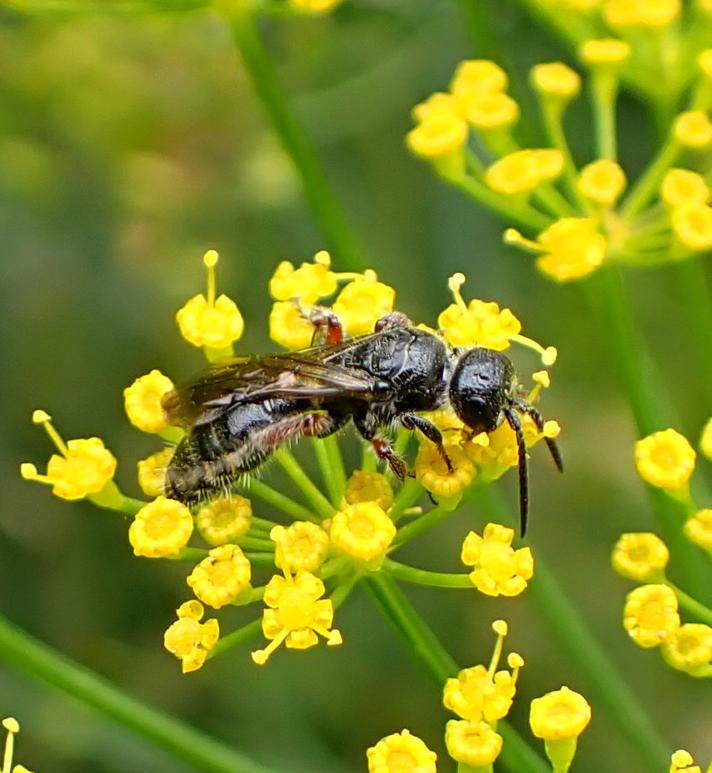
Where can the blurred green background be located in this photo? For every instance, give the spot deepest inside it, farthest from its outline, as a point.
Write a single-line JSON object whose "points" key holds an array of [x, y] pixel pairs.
{"points": [[129, 144]]}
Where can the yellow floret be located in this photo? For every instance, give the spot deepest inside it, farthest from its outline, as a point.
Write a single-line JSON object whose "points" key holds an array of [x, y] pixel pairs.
{"points": [[681, 187], [308, 283], [602, 182], [142, 401], [301, 547], [706, 439], [688, 648], [365, 486], [556, 79], [559, 714], [682, 761], [288, 327], [693, 129], [440, 133], [363, 531], [490, 110], [433, 475], [361, 303], [478, 76], [472, 743], [665, 459], [189, 639], [161, 528], [640, 557], [604, 52], [221, 577], [152, 472], [439, 102], [498, 569], [698, 528], [401, 753], [521, 171], [224, 520], [644, 13], [650, 615], [692, 225]]}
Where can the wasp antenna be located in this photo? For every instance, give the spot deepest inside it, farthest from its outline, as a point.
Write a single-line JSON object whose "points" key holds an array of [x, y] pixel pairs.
{"points": [[515, 423]]}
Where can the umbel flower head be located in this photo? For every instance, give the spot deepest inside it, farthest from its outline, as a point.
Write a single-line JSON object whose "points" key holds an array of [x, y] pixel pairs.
{"points": [[575, 218]]}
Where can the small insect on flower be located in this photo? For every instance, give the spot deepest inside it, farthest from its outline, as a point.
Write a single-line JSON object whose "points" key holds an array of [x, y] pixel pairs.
{"points": [[240, 411]]}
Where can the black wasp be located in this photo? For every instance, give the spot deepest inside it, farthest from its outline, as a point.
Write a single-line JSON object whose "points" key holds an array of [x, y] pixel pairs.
{"points": [[238, 412]]}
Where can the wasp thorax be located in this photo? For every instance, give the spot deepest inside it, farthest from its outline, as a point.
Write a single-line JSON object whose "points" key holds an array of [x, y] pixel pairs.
{"points": [[479, 388]]}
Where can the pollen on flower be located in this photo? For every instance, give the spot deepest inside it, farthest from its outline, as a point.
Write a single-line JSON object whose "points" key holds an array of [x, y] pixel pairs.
{"points": [[559, 714], [361, 303], [681, 188], [472, 743], [221, 577], [85, 466], [224, 519], [308, 283], [142, 401], [365, 486], [692, 225], [152, 472], [602, 182], [288, 327], [556, 79], [161, 528], [698, 528], [650, 614], [363, 531], [432, 472], [301, 547], [640, 556], [401, 753], [665, 459], [208, 321], [688, 648], [498, 569], [295, 614], [481, 692], [523, 170], [693, 129], [189, 639]]}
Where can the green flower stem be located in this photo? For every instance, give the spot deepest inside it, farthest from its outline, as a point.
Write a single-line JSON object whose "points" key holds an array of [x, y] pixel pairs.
{"points": [[42, 663], [333, 566], [525, 216], [249, 596], [247, 633], [343, 589], [304, 483], [281, 502], [254, 543], [569, 629], [328, 456], [694, 607], [437, 661], [421, 525], [647, 185], [604, 90], [112, 498], [424, 577], [297, 145], [552, 112], [262, 524], [189, 554], [649, 405], [368, 458], [693, 287], [260, 559], [407, 496]]}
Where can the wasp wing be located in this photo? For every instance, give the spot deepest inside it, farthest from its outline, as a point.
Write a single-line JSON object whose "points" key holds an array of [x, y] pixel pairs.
{"points": [[253, 378]]}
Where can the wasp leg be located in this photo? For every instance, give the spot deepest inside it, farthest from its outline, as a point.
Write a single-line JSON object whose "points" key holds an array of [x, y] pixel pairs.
{"points": [[413, 421], [515, 423], [392, 319], [327, 326], [367, 426], [524, 407]]}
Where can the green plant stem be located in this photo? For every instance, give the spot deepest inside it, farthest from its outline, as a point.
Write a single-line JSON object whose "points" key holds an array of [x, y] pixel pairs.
{"points": [[328, 456], [517, 755], [297, 145], [407, 496], [694, 607], [605, 683], [694, 290], [281, 502], [41, 662], [647, 185], [421, 525], [242, 635], [425, 577], [604, 89], [650, 406], [260, 559], [304, 483], [254, 543]]}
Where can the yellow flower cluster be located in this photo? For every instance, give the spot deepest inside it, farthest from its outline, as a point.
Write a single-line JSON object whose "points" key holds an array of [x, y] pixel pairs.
{"points": [[296, 291], [578, 216]]}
